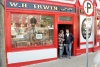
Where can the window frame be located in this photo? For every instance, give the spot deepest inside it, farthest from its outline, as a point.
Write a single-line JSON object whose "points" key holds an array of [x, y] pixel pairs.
{"points": [[8, 31]]}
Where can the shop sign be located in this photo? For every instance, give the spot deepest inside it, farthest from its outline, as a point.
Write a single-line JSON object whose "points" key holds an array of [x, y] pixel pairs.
{"points": [[34, 6]]}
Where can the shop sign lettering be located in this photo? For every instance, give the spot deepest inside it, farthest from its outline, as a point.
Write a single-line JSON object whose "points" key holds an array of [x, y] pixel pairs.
{"points": [[39, 7]]}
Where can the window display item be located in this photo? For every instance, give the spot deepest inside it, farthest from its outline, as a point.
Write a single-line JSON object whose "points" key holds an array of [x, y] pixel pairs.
{"points": [[33, 33]]}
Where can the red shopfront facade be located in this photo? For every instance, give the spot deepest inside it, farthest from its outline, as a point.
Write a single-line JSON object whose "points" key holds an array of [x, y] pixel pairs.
{"points": [[32, 27], [93, 43], [31, 30], [97, 26]]}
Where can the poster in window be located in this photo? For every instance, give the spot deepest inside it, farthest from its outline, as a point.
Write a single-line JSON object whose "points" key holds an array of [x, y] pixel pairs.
{"points": [[83, 22], [38, 36]]}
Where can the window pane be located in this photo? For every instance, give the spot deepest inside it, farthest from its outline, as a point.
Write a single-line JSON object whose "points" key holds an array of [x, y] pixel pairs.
{"points": [[31, 30], [65, 18], [98, 28]]}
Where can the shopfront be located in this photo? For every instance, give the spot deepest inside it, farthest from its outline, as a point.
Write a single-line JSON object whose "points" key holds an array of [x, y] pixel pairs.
{"points": [[32, 27], [82, 21], [31, 30]]}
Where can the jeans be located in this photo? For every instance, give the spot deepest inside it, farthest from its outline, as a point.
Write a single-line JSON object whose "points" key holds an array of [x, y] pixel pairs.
{"points": [[68, 49], [61, 52]]}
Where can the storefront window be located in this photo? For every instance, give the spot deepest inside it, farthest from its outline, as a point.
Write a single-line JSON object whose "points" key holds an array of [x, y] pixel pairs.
{"points": [[31, 30], [98, 28]]}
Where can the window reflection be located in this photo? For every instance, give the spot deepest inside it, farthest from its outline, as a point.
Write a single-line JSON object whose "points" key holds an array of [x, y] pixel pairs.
{"points": [[31, 30]]}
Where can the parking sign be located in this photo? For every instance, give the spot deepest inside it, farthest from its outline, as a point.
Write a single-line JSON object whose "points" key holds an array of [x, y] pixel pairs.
{"points": [[88, 8]]}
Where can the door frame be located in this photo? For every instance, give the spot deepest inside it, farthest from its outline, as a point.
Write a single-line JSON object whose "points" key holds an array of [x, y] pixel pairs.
{"points": [[74, 29]]}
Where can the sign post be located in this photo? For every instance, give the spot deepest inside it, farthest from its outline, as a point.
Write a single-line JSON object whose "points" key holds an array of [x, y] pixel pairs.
{"points": [[2, 40], [88, 9]]}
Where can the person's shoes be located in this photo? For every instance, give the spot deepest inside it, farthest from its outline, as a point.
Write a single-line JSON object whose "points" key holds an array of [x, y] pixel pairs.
{"points": [[60, 57], [69, 57]]}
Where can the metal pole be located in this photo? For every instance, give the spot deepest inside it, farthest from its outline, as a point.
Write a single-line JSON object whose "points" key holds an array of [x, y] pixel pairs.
{"points": [[93, 23], [2, 40], [86, 46]]}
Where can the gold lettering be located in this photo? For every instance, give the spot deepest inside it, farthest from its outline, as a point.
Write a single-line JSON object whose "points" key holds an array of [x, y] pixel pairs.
{"points": [[68, 9], [34, 5], [13, 4], [45, 7], [24, 5], [50, 7], [40, 6], [55, 8], [71, 9]]}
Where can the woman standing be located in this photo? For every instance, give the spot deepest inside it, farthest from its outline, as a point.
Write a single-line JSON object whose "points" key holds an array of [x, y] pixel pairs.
{"points": [[60, 43]]}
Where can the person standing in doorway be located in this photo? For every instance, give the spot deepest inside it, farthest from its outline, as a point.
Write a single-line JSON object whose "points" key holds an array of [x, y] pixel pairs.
{"points": [[68, 42], [60, 43]]}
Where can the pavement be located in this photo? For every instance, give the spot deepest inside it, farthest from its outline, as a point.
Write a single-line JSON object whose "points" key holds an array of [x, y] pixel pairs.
{"points": [[75, 61]]}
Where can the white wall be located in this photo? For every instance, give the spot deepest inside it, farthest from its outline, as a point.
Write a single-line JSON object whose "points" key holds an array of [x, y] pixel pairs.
{"points": [[83, 46], [32, 55], [98, 4], [98, 43]]}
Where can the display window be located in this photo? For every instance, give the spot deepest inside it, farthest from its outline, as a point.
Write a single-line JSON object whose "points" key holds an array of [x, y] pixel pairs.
{"points": [[31, 30], [98, 28], [98, 23]]}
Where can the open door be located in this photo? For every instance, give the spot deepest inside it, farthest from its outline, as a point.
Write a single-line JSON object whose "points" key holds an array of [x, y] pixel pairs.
{"points": [[64, 27]]}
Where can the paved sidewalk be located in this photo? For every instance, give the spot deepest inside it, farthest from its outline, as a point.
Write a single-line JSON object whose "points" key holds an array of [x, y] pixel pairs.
{"points": [[75, 61]]}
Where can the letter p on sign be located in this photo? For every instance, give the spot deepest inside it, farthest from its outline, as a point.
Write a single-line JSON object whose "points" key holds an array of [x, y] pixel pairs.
{"points": [[88, 8]]}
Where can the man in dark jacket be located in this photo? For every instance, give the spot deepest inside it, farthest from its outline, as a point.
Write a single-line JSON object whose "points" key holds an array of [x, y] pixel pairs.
{"points": [[68, 42]]}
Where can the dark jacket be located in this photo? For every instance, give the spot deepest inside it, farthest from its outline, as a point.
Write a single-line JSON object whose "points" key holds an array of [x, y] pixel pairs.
{"points": [[69, 39]]}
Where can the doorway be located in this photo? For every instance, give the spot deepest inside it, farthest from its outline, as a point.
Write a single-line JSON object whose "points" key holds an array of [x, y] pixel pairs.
{"points": [[64, 27]]}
